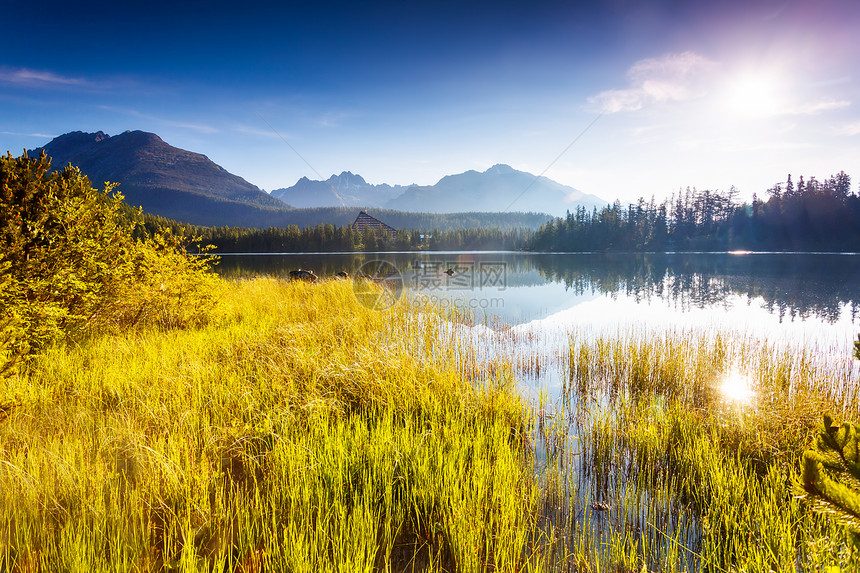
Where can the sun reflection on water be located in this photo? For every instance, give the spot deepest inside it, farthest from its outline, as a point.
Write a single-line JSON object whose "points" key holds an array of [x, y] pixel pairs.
{"points": [[737, 387]]}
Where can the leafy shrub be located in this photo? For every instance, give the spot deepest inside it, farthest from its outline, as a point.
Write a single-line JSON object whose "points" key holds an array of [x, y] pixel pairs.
{"points": [[165, 287], [70, 264]]}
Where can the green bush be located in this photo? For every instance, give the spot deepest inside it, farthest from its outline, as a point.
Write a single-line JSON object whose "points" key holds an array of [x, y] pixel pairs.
{"points": [[70, 264], [164, 287]]}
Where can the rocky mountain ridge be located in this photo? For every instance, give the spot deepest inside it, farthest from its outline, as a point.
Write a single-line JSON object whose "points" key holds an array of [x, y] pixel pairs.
{"points": [[500, 188]]}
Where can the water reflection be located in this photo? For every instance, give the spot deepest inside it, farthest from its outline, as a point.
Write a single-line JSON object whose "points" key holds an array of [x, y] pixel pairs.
{"points": [[790, 285], [533, 286]]}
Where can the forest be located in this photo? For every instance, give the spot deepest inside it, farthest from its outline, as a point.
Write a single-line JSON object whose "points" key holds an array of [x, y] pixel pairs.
{"points": [[343, 238], [809, 215]]}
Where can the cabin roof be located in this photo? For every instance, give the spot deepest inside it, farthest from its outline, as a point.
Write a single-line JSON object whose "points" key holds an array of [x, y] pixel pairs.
{"points": [[365, 221]]}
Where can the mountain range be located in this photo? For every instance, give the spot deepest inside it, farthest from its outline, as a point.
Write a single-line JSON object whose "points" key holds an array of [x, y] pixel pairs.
{"points": [[344, 190], [189, 187], [500, 188]]}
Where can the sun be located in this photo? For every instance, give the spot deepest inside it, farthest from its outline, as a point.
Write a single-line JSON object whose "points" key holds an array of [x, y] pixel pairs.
{"points": [[754, 95]]}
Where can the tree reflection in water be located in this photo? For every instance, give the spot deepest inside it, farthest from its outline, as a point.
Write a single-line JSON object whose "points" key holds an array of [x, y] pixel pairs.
{"points": [[791, 285]]}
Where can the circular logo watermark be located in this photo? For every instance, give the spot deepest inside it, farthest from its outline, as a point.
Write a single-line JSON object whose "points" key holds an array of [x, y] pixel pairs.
{"points": [[378, 285]]}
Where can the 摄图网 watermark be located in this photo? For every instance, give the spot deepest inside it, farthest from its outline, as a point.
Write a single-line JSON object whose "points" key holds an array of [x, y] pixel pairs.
{"points": [[379, 284]]}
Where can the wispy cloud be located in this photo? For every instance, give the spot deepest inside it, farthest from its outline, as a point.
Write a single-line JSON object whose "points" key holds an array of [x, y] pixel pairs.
{"points": [[332, 118], [673, 77], [850, 129], [776, 146], [198, 127], [39, 135], [535, 133], [641, 130], [813, 108], [122, 110], [255, 131], [25, 77]]}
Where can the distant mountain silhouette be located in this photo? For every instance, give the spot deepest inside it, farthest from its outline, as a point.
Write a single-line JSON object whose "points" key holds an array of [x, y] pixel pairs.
{"points": [[163, 179], [190, 188], [344, 190], [499, 188]]}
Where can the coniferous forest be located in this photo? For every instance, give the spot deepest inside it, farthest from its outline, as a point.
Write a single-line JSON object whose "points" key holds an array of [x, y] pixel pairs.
{"points": [[342, 238], [809, 215]]}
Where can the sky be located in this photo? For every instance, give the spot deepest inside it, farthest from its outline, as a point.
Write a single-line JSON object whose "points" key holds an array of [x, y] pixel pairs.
{"points": [[621, 99]]}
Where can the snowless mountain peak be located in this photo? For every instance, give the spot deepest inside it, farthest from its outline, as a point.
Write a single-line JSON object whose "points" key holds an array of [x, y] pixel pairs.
{"points": [[500, 169], [348, 178]]}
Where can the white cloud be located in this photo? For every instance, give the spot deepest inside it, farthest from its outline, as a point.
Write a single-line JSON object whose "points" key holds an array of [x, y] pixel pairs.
{"points": [[673, 77], [39, 135], [670, 66], [255, 131], [332, 118], [613, 101], [199, 127], [817, 107], [850, 129], [38, 78]]}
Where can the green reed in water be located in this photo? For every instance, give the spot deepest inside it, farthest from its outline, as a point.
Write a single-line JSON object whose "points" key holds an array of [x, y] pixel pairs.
{"points": [[689, 447]]}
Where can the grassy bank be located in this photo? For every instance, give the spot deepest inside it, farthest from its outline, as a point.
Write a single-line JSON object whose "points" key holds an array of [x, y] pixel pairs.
{"points": [[298, 432]]}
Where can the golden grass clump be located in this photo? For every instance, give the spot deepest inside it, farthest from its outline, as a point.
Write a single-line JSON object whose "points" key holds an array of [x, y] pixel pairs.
{"points": [[298, 432]]}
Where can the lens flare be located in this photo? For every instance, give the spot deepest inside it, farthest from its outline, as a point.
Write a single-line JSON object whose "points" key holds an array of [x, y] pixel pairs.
{"points": [[737, 388]]}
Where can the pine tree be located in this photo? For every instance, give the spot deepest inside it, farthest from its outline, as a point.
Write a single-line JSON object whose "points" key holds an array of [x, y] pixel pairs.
{"points": [[831, 474]]}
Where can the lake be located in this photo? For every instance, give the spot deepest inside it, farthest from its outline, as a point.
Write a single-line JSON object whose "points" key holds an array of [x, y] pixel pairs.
{"points": [[793, 299]]}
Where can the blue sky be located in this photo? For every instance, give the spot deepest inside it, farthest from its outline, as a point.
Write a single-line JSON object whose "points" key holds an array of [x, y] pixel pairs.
{"points": [[702, 94]]}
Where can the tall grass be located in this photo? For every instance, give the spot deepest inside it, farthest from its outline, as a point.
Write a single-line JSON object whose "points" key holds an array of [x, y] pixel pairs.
{"points": [[301, 432], [681, 476]]}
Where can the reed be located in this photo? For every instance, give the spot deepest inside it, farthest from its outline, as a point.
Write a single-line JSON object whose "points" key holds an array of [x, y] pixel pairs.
{"points": [[685, 476], [298, 430]]}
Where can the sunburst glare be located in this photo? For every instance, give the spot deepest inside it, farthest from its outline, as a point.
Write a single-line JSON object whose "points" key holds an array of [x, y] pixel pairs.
{"points": [[754, 95], [737, 387]]}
